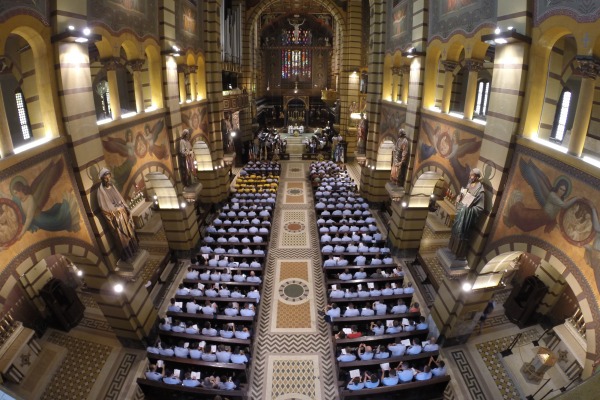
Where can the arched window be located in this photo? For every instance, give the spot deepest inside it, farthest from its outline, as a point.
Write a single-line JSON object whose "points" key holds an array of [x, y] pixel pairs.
{"points": [[23, 115], [483, 96], [560, 118]]}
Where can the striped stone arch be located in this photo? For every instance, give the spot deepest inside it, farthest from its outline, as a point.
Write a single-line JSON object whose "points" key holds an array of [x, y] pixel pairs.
{"points": [[145, 170], [438, 169], [75, 249], [571, 274]]}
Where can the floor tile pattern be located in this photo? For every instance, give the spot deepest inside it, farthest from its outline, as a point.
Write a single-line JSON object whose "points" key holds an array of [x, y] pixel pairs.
{"points": [[120, 377], [295, 193], [93, 323], [294, 232], [311, 352], [489, 352], [467, 374], [293, 375], [87, 300], [80, 369]]}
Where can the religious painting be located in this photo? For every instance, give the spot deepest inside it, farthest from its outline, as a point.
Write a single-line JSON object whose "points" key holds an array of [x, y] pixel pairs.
{"points": [[129, 5], [39, 8], [324, 19], [138, 16], [267, 18], [400, 26], [128, 150], [582, 11], [196, 120], [36, 203], [392, 119], [447, 17], [189, 19], [453, 147], [555, 203]]}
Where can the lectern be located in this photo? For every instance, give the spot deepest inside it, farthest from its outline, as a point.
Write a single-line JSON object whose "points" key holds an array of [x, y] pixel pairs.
{"points": [[534, 370]]}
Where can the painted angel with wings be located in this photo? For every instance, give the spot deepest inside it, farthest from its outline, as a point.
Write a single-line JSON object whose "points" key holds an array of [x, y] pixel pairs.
{"points": [[32, 200], [451, 147], [551, 198]]}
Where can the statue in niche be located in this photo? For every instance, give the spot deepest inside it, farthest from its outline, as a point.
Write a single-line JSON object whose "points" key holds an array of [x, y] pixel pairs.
{"points": [[469, 207], [186, 159], [400, 159], [117, 214]]}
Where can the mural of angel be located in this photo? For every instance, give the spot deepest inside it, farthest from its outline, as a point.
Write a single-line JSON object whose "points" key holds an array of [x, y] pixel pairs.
{"points": [[592, 252], [125, 148], [151, 135], [551, 199], [28, 209], [451, 147]]}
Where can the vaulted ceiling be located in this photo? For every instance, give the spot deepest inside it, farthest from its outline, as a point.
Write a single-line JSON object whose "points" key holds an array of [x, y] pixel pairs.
{"points": [[297, 6]]}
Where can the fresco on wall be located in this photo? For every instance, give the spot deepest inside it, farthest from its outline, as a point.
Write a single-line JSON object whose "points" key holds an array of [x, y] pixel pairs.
{"points": [[447, 17], [392, 119], [557, 204], [196, 120], [187, 23], [453, 147], [139, 16], [127, 151], [580, 10], [35, 203], [39, 8], [400, 26]]}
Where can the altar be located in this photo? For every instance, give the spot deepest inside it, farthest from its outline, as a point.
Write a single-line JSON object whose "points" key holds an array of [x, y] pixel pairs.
{"points": [[291, 130]]}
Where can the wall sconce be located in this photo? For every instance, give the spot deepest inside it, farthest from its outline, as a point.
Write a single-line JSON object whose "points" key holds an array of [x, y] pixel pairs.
{"points": [[412, 53], [173, 51], [72, 35], [510, 35]]}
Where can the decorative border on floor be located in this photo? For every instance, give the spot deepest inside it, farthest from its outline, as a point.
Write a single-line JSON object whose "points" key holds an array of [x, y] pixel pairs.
{"points": [[467, 374], [293, 377], [120, 377]]}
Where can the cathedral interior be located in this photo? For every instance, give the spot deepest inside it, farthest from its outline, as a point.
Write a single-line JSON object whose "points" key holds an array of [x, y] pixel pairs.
{"points": [[191, 191]]}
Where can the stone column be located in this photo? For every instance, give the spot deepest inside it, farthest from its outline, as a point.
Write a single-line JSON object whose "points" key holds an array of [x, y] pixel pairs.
{"points": [[473, 66], [449, 66], [405, 70], [192, 69], [6, 145], [588, 69], [111, 66], [136, 68], [396, 71], [182, 72]]}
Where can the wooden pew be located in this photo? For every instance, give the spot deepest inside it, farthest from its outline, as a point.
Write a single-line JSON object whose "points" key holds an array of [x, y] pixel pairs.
{"points": [[154, 390], [198, 338], [182, 316], [431, 389], [198, 363], [392, 360], [371, 338]]}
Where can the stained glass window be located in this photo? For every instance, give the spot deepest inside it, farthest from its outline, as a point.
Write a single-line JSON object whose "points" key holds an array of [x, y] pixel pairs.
{"points": [[296, 63], [23, 117]]}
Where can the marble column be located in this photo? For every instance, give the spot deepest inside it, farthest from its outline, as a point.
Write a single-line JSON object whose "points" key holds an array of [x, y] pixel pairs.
{"points": [[192, 70], [111, 66], [473, 66], [6, 145], [136, 67], [182, 72], [588, 69], [449, 66]]}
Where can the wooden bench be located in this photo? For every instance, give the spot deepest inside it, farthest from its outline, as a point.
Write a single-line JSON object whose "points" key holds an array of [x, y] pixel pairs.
{"points": [[393, 336], [432, 389], [364, 281], [200, 337], [198, 363], [202, 299], [373, 317], [358, 300], [240, 256], [182, 316], [358, 267], [228, 283], [155, 390], [217, 235], [205, 267], [391, 360]]}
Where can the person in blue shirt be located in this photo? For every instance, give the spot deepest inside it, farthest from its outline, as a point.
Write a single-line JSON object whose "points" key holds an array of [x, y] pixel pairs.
{"points": [[389, 379], [171, 379], [371, 380], [431, 345], [188, 381], [404, 373], [423, 375], [346, 356], [365, 352], [172, 307], [355, 383], [439, 369], [152, 374], [239, 357], [415, 348]]}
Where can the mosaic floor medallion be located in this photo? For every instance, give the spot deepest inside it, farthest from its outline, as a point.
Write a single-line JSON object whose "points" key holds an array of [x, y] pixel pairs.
{"points": [[293, 291], [295, 192], [293, 231], [294, 227]]}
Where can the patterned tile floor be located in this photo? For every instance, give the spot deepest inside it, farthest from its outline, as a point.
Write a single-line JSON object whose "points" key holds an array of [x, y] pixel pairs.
{"points": [[79, 370]]}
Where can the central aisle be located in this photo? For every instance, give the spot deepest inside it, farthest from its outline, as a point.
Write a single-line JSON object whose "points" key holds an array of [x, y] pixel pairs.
{"points": [[293, 354]]}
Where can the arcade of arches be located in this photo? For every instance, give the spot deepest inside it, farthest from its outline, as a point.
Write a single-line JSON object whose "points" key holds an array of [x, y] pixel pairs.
{"points": [[510, 88]]}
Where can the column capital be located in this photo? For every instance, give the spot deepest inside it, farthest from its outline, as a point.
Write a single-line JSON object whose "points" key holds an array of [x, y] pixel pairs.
{"points": [[586, 66], [136, 65], [396, 70], [5, 65], [111, 64], [473, 65], [449, 65], [183, 68], [193, 69], [405, 69]]}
